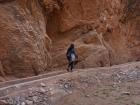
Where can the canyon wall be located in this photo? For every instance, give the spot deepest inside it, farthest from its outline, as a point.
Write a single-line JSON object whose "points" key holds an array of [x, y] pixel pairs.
{"points": [[105, 32], [23, 38], [35, 33]]}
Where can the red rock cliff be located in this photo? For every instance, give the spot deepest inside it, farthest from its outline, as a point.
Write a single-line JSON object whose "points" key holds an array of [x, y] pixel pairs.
{"points": [[105, 32], [23, 37]]}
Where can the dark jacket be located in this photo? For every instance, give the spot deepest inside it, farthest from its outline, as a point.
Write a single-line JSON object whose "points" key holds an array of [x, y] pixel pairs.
{"points": [[69, 52]]}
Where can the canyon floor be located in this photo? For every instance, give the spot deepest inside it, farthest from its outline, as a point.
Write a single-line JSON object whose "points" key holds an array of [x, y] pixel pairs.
{"points": [[116, 85]]}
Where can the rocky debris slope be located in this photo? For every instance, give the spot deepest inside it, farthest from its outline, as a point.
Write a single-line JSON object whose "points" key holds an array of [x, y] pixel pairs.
{"points": [[117, 85]]}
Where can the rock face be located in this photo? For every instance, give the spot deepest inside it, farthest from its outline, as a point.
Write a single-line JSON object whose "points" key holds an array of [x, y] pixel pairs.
{"points": [[23, 37], [115, 21], [105, 32]]}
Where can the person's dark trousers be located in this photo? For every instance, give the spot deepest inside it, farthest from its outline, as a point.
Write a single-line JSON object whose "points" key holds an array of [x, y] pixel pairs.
{"points": [[71, 65]]}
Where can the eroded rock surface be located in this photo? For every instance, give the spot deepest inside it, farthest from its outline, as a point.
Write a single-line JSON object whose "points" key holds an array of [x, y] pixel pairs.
{"points": [[23, 38], [115, 21], [105, 32]]}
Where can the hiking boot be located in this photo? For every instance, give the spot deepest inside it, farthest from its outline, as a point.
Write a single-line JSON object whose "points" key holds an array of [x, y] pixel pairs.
{"points": [[71, 70], [68, 69]]}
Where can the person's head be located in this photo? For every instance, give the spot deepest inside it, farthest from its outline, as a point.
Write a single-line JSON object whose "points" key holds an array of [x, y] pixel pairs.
{"points": [[72, 46]]}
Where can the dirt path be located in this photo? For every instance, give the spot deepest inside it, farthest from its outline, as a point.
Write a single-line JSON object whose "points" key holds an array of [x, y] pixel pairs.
{"points": [[117, 85]]}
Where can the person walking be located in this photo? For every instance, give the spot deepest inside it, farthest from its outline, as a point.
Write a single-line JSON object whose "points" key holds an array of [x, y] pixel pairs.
{"points": [[71, 57]]}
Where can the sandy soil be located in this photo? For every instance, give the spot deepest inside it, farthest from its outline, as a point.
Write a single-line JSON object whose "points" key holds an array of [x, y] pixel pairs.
{"points": [[117, 85]]}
